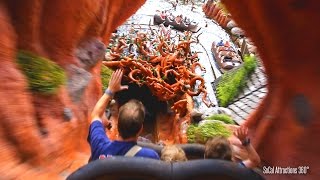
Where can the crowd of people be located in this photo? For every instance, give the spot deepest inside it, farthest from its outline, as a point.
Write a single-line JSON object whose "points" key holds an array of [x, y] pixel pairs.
{"points": [[130, 125]]}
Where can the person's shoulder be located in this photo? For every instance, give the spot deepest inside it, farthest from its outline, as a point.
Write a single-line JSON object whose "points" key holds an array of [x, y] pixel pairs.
{"points": [[241, 164], [96, 123], [150, 153]]}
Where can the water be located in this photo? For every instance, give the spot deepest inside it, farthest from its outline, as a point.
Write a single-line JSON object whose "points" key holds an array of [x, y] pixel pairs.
{"points": [[210, 31]]}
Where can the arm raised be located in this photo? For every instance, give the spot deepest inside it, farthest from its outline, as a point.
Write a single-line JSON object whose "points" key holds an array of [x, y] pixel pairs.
{"points": [[114, 86]]}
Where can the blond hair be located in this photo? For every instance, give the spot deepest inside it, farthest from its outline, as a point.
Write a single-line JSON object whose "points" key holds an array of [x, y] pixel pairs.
{"points": [[173, 153]]}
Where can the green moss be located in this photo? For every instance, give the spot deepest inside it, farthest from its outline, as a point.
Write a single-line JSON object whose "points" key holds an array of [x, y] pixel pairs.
{"points": [[44, 76], [200, 134], [221, 117], [191, 131], [105, 77], [233, 82], [209, 130]]}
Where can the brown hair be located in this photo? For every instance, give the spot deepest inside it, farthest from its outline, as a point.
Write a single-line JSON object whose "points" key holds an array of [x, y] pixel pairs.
{"points": [[218, 148], [173, 154], [131, 117]]}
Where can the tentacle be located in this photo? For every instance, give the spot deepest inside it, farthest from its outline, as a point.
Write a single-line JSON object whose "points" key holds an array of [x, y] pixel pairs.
{"points": [[160, 49], [192, 83], [205, 100], [157, 69], [111, 64], [147, 72], [197, 64], [172, 71], [156, 60], [132, 73]]}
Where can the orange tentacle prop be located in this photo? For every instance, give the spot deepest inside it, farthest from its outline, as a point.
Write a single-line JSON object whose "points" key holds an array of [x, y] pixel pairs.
{"points": [[192, 83], [132, 73]]}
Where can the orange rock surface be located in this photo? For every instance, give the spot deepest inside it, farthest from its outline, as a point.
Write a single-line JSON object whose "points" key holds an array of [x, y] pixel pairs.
{"points": [[35, 140], [285, 126]]}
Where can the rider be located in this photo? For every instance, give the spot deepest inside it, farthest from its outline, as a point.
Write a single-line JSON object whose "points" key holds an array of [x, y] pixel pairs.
{"points": [[220, 148], [130, 125]]}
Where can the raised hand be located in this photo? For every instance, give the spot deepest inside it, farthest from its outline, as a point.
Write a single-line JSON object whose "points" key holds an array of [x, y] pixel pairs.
{"points": [[241, 133], [115, 82]]}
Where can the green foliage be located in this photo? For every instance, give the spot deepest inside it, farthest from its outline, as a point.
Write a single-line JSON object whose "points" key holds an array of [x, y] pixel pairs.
{"points": [[200, 134], [105, 77], [191, 131], [233, 82], [250, 63], [210, 130], [44, 76], [221, 117]]}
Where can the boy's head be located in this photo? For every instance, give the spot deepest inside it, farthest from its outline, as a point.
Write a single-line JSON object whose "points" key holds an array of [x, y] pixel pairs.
{"points": [[218, 148], [131, 117], [173, 154]]}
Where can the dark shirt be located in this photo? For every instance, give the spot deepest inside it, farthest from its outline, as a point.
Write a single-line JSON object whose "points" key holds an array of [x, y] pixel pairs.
{"points": [[101, 145]]}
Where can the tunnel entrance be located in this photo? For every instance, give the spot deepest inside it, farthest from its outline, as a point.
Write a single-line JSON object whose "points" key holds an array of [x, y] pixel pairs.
{"points": [[153, 107]]}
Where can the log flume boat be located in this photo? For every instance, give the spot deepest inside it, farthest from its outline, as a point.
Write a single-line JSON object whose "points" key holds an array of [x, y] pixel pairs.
{"points": [[183, 25], [225, 55]]}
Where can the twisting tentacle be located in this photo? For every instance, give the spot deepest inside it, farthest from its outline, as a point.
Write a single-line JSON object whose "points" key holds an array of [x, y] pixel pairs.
{"points": [[132, 73], [157, 59]]}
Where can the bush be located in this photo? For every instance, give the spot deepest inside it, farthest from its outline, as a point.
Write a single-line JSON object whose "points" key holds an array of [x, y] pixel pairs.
{"points": [[191, 131], [209, 130], [221, 117], [200, 134], [105, 76], [44, 76], [233, 82]]}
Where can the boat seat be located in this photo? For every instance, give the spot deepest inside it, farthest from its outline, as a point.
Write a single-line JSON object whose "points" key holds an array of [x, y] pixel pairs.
{"points": [[126, 168]]}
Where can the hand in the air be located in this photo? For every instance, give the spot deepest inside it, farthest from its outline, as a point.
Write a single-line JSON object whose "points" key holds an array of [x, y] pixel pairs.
{"points": [[115, 81], [241, 133]]}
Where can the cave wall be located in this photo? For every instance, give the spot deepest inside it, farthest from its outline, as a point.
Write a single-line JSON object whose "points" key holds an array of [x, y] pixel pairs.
{"points": [[36, 139], [44, 134], [285, 126]]}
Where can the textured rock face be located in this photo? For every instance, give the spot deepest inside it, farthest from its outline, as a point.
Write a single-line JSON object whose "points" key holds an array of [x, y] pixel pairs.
{"points": [[42, 135], [285, 125]]}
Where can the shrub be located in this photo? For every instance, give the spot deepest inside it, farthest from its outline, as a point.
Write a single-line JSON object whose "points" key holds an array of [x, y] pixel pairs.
{"points": [[105, 76], [233, 82], [221, 117], [209, 130], [200, 134], [191, 131], [44, 76]]}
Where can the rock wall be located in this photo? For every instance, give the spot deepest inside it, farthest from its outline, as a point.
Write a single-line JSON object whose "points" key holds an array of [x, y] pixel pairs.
{"points": [[285, 126], [44, 134]]}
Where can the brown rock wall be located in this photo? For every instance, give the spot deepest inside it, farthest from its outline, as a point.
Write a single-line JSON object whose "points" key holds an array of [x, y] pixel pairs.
{"points": [[38, 138], [285, 125]]}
